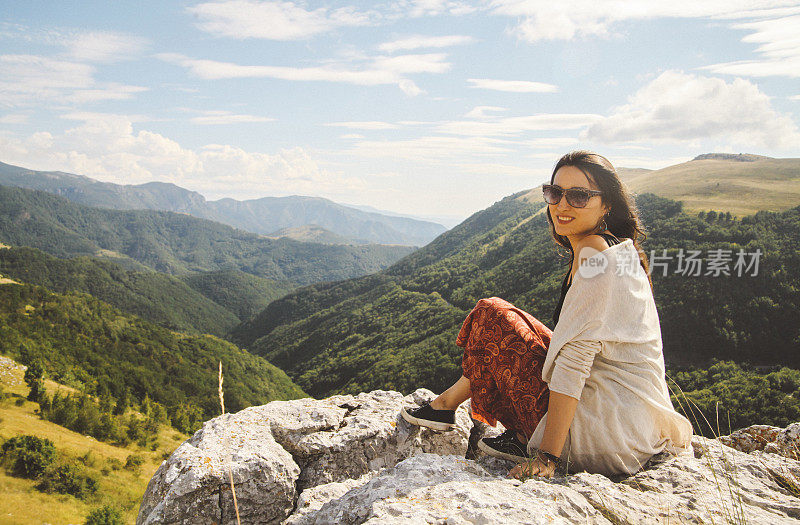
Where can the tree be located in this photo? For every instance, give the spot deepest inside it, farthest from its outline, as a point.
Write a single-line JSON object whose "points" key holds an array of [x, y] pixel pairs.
{"points": [[33, 377], [122, 402]]}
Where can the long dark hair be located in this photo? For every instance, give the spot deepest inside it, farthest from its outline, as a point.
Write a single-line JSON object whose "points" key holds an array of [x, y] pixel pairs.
{"points": [[623, 216]]}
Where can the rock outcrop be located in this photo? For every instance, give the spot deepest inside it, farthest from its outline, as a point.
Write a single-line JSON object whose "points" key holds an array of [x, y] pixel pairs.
{"points": [[353, 459]]}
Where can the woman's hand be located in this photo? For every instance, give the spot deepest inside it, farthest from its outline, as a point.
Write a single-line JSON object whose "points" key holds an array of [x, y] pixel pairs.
{"points": [[536, 467]]}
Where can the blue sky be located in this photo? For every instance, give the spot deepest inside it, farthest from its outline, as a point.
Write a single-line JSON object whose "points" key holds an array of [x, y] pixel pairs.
{"points": [[432, 108]]}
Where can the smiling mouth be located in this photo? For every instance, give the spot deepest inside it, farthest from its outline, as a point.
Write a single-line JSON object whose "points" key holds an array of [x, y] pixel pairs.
{"points": [[565, 220]]}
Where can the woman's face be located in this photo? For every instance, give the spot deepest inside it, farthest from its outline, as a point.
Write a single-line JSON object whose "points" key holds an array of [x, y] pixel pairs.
{"points": [[583, 220]]}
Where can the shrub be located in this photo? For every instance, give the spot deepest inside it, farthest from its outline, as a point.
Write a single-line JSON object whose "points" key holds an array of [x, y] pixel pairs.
{"points": [[105, 515], [29, 456], [68, 479], [88, 459], [114, 463], [134, 461]]}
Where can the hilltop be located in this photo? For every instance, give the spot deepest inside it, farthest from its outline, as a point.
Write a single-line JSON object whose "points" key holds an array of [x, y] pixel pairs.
{"points": [[742, 184]]}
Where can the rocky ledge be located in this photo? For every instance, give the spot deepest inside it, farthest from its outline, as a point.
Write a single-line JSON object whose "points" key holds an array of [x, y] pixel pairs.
{"points": [[354, 459]]}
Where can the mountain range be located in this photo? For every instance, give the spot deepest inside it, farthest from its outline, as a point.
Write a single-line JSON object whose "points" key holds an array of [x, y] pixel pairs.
{"points": [[264, 216], [176, 243]]}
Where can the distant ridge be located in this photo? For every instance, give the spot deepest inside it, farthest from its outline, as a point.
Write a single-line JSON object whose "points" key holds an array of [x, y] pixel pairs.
{"points": [[263, 215], [738, 157], [313, 233]]}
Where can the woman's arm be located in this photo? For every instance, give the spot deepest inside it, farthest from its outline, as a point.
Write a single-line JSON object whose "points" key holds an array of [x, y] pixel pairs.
{"points": [[560, 412], [570, 370]]}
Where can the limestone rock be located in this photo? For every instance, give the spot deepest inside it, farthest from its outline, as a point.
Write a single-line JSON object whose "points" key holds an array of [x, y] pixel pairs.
{"points": [[353, 459], [193, 484], [783, 441], [279, 449]]}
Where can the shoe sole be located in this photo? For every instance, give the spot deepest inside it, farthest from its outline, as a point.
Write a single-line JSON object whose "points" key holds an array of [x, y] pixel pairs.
{"points": [[433, 425], [502, 455]]}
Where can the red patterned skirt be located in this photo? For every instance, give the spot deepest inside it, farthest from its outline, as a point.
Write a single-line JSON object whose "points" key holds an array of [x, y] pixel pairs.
{"points": [[504, 351]]}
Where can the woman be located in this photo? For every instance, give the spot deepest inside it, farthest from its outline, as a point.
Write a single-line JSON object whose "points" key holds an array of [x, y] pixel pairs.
{"points": [[592, 392]]}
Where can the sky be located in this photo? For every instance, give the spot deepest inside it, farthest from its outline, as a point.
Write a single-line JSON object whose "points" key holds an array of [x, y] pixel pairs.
{"points": [[434, 108]]}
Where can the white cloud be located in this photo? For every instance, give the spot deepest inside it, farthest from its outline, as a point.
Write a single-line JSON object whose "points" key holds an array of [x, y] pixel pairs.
{"points": [[419, 8], [677, 107], [91, 116], [514, 86], [551, 142], [272, 20], [425, 63], [429, 148], [479, 112], [564, 20], [351, 136], [779, 40], [79, 46], [505, 170], [213, 117], [103, 46], [14, 118], [626, 161], [214, 70], [30, 80], [104, 91], [516, 125], [371, 125], [110, 150], [422, 41], [374, 71], [409, 87]]}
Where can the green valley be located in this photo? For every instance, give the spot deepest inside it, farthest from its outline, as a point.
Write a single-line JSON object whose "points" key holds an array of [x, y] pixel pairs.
{"points": [[176, 243]]}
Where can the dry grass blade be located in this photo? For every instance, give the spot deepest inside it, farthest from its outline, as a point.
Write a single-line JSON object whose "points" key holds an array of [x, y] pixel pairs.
{"points": [[230, 474]]}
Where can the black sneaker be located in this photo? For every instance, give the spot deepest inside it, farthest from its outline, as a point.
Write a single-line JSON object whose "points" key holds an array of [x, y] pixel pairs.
{"points": [[506, 446], [429, 417]]}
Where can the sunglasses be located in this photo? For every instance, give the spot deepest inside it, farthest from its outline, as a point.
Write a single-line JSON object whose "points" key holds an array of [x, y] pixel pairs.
{"points": [[576, 197]]}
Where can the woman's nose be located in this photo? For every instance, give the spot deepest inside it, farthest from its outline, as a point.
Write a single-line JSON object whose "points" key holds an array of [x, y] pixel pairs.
{"points": [[563, 205]]}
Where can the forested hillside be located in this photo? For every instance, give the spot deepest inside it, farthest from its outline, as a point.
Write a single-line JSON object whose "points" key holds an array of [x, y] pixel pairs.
{"points": [[85, 343], [175, 243], [242, 293], [396, 329], [157, 297]]}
